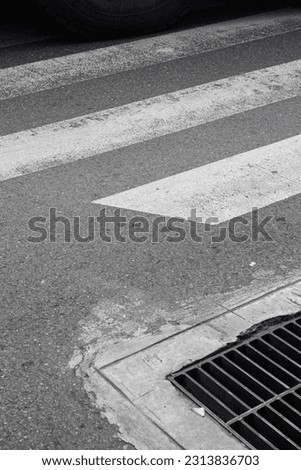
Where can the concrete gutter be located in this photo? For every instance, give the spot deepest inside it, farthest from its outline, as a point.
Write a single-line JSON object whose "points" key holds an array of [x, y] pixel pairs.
{"points": [[130, 386]]}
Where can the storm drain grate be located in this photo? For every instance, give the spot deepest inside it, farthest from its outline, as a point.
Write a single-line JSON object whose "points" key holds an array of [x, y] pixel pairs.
{"points": [[253, 388]]}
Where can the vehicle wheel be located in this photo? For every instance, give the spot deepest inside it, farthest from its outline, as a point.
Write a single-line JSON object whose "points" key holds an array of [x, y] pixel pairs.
{"points": [[114, 17]]}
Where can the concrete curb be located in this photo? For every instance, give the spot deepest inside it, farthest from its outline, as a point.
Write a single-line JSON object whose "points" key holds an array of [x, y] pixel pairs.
{"points": [[151, 414]]}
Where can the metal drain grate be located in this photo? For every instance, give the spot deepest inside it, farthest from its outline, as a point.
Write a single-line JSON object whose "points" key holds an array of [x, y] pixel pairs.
{"points": [[253, 388]]}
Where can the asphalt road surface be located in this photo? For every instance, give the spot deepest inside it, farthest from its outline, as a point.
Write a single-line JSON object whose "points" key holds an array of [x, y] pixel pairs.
{"points": [[204, 118]]}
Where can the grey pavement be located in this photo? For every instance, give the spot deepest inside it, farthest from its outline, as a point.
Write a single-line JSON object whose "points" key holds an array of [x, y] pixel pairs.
{"points": [[54, 296]]}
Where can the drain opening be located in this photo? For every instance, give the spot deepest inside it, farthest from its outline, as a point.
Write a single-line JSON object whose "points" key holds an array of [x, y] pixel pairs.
{"points": [[253, 388]]}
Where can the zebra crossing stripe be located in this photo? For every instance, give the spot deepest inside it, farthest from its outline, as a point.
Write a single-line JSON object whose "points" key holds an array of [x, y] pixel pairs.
{"points": [[224, 189], [74, 68], [74, 139]]}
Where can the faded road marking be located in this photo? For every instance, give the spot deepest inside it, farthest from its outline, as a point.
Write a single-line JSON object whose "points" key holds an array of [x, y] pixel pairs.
{"points": [[74, 68], [74, 139]]}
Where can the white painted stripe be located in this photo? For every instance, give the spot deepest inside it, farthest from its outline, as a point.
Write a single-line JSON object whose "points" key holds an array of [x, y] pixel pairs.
{"points": [[85, 136], [74, 68], [223, 189]]}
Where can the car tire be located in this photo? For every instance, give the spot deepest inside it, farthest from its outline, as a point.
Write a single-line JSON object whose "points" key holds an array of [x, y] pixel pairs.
{"points": [[114, 17]]}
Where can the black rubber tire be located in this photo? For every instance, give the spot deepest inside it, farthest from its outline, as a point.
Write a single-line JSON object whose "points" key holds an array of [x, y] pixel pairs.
{"points": [[114, 17]]}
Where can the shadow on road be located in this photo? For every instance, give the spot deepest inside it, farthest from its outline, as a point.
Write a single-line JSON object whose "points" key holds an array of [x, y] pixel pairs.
{"points": [[202, 12]]}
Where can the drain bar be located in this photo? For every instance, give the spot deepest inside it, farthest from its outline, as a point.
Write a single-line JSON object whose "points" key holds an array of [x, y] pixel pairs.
{"points": [[253, 388]]}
